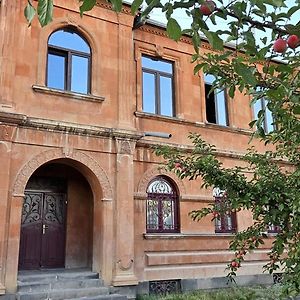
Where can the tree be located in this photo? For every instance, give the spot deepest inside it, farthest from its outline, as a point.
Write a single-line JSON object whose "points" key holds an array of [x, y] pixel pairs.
{"points": [[260, 33]]}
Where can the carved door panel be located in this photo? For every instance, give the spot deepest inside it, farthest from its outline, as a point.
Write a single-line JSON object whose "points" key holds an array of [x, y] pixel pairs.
{"points": [[42, 242], [53, 238], [31, 231]]}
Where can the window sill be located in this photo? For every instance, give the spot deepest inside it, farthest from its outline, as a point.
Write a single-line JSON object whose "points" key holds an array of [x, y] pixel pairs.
{"points": [[68, 94], [207, 125], [167, 236]]}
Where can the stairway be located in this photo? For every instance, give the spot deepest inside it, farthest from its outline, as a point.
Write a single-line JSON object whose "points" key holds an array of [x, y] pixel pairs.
{"points": [[63, 284]]}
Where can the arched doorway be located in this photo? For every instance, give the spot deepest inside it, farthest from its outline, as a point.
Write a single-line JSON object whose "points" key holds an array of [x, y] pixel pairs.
{"points": [[57, 219]]}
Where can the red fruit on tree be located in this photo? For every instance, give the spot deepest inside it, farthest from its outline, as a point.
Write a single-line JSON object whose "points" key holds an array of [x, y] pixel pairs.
{"points": [[293, 41], [216, 214], [178, 165], [235, 264], [207, 7], [280, 45]]}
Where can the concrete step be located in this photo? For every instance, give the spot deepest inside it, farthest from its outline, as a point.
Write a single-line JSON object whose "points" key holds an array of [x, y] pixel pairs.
{"points": [[37, 286], [50, 276], [62, 294]]}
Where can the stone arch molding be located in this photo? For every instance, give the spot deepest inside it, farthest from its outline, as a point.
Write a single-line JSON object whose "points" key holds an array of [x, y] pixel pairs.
{"points": [[49, 155], [156, 171]]}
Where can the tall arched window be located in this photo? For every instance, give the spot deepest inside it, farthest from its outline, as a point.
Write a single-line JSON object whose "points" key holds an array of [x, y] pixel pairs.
{"points": [[69, 62], [162, 206]]}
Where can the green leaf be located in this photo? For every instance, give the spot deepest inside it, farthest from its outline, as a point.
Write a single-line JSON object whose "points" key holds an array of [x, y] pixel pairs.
{"points": [[246, 73], [231, 91], [213, 38], [135, 6], [198, 67], [45, 11], [173, 29], [117, 5], [296, 110], [29, 12], [86, 6]]}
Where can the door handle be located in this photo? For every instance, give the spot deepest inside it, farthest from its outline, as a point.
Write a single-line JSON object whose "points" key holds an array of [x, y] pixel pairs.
{"points": [[44, 228]]}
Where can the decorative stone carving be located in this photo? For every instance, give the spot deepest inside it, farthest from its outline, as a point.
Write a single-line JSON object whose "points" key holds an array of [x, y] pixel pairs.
{"points": [[156, 171], [6, 132], [127, 266], [159, 50], [125, 146], [46, 156]]}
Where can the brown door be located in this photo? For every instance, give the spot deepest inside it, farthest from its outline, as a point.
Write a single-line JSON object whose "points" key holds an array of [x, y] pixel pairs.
{"points": [[42, 243]]}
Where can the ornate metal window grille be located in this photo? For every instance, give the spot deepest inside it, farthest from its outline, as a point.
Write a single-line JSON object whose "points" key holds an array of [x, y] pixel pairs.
{"points": [[277, 277], [164, 287], [226, 222], [274, 229], [162, 207]]}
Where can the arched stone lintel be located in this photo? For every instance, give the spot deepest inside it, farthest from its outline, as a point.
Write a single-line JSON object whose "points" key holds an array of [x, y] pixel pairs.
{"points": [[156, 171], [46, 156]]}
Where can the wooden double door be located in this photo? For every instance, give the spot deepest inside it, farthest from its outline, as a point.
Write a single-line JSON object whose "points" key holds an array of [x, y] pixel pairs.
{"points": [[43, 230]]}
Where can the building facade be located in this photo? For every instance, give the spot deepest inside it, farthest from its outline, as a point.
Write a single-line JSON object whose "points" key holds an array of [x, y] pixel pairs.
{"points": [[80, 185]]}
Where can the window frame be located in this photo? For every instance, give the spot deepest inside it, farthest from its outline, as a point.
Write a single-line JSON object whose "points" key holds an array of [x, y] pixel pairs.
{"points": [[68, 54], [223, 218], [176, 210], [215, 93], [157, 75], [263, 102]]}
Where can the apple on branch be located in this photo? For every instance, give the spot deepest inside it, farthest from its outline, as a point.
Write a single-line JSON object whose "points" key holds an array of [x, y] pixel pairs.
{"points": [[280, 45], [207, 8]]}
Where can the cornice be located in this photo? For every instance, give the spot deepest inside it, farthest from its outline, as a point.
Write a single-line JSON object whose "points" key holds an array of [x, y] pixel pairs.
{"points": [[24, 121], [156, 30], [125, 8]]}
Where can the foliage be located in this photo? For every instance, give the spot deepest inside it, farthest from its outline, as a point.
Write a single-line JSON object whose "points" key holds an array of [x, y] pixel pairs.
{"points": [[271, 194], [249, 65], [253, 293]]}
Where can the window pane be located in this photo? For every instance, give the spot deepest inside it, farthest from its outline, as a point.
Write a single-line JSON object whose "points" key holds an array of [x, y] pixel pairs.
{"points": [[158, 65], [209, 78], [168, 214], [257, 106], [268, 119], [166, 97], [149, 93], [152, 214], [56, 71], [221, 108], [210, 104], [79, 76], [69, 40]]}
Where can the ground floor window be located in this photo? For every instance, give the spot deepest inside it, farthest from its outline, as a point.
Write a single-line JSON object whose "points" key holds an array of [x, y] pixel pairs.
{"points": [[162, 206]]}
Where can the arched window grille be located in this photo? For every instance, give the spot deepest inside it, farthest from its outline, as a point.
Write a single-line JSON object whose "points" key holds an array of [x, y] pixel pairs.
{"points": [[162, 207], [68, 62]]}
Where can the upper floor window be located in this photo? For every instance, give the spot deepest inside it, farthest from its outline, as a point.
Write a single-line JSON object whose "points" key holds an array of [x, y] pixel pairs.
{"points": [[262, 105], [215, 102], [69, 62], [158, 94], [162, 206]]}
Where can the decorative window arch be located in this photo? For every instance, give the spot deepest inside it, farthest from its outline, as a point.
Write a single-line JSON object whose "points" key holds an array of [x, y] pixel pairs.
{"points": [[69, 61], [162, 206]]}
